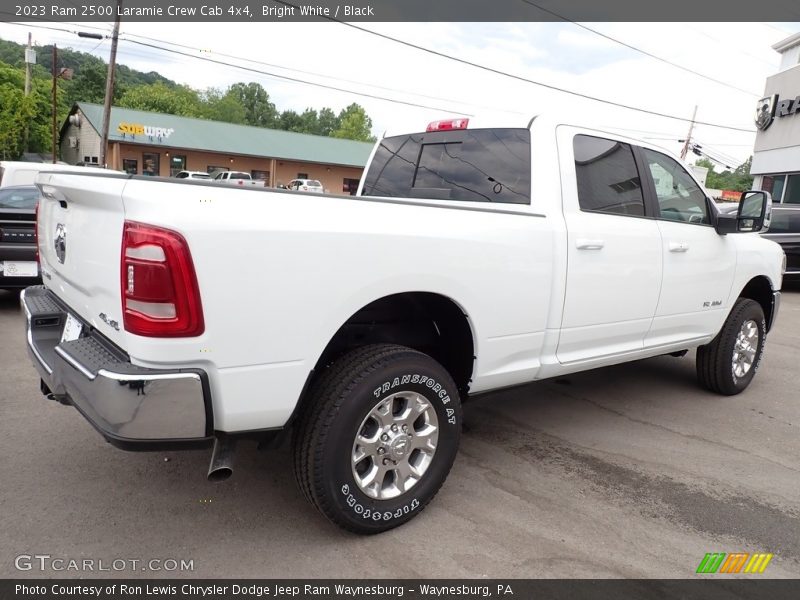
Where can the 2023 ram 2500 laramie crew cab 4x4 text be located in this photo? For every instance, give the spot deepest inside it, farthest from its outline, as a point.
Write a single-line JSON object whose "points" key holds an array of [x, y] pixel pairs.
{"points": [[176, 314]]}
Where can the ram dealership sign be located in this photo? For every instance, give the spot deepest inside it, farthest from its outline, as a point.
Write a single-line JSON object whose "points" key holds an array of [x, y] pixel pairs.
{"points": [[772, 107]]}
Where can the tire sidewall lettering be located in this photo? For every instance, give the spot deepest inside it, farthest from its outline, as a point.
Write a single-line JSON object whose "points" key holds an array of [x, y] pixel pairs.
{"points": [[443, 398]]}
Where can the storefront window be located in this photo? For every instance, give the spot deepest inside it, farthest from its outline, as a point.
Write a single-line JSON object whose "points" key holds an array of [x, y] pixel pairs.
{"points": [[130, 166], [177, 163], [774, 185], [150, 164], [260, 176], [350, 186], [792, 194]]}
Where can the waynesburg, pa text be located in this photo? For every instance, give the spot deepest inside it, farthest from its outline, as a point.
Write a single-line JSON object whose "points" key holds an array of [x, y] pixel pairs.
{"points": [[256, 590]]}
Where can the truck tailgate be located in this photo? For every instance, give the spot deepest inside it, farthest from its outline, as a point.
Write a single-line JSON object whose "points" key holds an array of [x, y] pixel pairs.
{"points": [[80, 239]]}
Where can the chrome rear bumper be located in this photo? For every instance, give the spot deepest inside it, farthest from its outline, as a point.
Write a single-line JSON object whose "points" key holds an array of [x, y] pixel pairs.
{"points": [[132, 407]]}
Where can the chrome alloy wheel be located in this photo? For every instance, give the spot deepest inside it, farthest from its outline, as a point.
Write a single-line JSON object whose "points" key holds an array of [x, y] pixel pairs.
{"points": [[744, 350], [395, 445]]}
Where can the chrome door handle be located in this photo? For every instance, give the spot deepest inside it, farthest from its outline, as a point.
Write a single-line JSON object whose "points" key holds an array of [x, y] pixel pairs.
{"points": [[678, 246], [584, 244]]}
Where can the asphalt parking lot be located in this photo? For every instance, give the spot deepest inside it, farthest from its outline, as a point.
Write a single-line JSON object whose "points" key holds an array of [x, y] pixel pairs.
{"points": [[629, 471]]}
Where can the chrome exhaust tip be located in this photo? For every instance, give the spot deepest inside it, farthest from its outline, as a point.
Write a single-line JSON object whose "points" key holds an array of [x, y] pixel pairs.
{"points": [[221, 466]]}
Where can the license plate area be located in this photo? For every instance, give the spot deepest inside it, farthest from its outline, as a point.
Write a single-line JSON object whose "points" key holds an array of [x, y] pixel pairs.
{"points": [[72, 329], [13, 268]]}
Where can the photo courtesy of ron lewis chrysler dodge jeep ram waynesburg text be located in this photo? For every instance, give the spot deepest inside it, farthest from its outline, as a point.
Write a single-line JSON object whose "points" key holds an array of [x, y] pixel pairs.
{"points": [[471, 259]]}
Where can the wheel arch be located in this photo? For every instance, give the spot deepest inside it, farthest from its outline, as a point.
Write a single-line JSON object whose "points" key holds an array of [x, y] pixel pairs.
{"points": [[426, 321], [760, 290]]}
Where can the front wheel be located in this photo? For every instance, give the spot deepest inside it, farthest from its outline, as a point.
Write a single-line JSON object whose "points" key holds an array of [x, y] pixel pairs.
{"points": [[379, 437], [729, 362]]}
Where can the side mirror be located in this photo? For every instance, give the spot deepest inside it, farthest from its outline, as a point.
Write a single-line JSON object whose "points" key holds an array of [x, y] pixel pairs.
{"points": [[754, 214]]}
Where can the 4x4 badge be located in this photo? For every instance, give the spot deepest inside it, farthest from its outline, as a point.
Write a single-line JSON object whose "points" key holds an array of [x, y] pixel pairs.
{"points": [[60, 242]]}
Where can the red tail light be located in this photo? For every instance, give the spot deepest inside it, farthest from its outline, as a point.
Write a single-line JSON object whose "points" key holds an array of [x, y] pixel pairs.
{"points": [[160, 295], [448, 125]]}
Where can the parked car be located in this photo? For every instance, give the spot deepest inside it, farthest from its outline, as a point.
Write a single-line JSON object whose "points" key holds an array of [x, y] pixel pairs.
{"points": [[306, 185], [785, 230], [18, 264], [239, 178], [192, 175], [471, 260]]}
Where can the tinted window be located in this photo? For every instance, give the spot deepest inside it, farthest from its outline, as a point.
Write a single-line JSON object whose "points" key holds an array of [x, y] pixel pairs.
{"points": [[19, 198], [182, 175], [785, 221], [608, 180], [792, 195], [239, 176], [481, 165], [679, 197]]}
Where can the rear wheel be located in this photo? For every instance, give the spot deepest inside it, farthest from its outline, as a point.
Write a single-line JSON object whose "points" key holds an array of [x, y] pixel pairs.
{"points": [[728, 364], [379, 438]]}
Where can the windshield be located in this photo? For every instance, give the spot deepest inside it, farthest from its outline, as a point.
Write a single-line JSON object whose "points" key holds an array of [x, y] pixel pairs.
{"points": [[480, 165], [19, 197]]}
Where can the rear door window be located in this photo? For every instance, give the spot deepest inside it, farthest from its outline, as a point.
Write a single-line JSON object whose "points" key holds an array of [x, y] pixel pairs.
{"points": [[608, 180], [479, 165]]}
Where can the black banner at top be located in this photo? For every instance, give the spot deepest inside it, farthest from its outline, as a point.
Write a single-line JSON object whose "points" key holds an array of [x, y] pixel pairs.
{"points": [[216, 11]]}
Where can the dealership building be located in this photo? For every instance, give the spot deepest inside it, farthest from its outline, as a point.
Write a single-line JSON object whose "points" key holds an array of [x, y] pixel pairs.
{"points": [[776, 157], [156, 144]]}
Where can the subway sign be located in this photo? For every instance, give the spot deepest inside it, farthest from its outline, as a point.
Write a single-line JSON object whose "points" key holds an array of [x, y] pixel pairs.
{"points": [[772, 107], [148, 130]]}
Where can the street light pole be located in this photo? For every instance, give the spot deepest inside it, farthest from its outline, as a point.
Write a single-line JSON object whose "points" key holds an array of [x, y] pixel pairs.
{"points": [[109, 88]]}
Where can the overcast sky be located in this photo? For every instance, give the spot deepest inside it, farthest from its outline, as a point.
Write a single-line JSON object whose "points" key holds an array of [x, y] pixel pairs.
{"points": [[559, 54]]}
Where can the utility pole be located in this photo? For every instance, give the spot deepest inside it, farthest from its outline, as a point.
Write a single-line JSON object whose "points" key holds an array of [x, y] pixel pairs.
{"points": [[688, 141], [55, 85], [112, 63], [28, 61]]}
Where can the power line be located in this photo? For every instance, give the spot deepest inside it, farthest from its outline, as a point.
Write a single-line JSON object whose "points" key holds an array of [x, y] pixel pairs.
{"points": [[316, 74], [296, 80], [430, 51], [284, 77], [645, 52], [519, 77]]}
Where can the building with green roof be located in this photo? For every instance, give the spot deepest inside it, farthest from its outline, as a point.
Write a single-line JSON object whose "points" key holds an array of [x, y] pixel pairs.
{"points": [[157, 144]]}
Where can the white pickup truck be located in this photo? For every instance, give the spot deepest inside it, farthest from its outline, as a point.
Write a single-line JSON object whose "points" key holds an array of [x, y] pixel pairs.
{"points": [[239, 178], [174, 315]]}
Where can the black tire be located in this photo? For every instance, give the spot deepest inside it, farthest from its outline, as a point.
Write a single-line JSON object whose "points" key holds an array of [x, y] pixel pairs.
{"points": [[715, 369], [340, 400]]}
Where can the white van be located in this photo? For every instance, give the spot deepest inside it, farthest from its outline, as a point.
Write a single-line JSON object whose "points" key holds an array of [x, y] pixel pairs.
{"points": [[24, 173]]}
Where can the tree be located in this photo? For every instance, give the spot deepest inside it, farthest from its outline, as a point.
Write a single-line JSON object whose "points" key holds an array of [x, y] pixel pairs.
{"points": [[220, 106], [354, 124], [290, 121], [309, 122], [18, 112], [258, 109], [89, 84], [158, 97], [327, 122], [738, 180]]}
